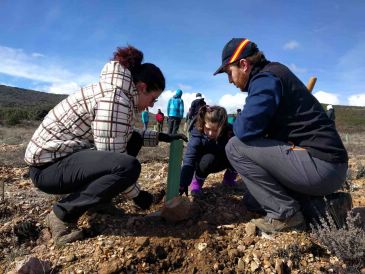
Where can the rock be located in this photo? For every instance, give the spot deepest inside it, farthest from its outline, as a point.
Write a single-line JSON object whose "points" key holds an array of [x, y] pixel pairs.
{"points": [[248, 241], [177, 209], [240, 265], [279, 266], [232, 253], [70, 258], [254, 266], [201, 246], [34, 266], [142, 241], [110, 267], [250, 229]]}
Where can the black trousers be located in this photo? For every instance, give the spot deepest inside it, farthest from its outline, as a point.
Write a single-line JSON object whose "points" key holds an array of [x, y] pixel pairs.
{"points": [[212, 163], [89, 176], [174, 124]]}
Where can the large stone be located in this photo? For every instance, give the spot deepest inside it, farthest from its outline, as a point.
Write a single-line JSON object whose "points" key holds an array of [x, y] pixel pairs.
{"points": [[177, 209], [34, 266]]}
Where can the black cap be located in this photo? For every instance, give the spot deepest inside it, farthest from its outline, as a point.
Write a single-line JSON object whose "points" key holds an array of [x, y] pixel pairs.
{"points": [[234, 50], [198, 95]]}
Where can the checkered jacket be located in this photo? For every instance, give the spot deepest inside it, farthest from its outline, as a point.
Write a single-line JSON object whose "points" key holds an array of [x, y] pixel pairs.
{"points": [[99, 116]]}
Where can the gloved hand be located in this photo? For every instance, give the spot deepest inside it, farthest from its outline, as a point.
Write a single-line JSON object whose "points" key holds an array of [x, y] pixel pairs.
{"points": [[168, 138], [183, 190], [144, 200]]}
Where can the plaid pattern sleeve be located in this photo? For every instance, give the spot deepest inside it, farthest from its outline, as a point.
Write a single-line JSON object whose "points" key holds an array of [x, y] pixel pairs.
{"points": [[150, 137]]}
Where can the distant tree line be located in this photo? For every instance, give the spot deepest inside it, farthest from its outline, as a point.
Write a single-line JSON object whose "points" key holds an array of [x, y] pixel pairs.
{"points": [[14, 115]]}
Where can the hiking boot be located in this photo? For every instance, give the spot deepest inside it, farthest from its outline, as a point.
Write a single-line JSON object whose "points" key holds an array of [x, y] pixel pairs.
{"points": [[269, 225], [229, 178], [196, 186], [63, 232]]}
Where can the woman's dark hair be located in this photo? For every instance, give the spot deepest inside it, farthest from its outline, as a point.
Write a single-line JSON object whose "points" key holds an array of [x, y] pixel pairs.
{"points": [[212, 114], [131, 58]]}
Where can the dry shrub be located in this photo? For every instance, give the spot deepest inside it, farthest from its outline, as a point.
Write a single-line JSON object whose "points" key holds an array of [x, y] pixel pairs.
{"points": [[347, 243]]}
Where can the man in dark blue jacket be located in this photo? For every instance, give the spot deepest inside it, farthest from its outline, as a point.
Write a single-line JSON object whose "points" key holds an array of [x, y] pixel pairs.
{"points": [[285, 146]]}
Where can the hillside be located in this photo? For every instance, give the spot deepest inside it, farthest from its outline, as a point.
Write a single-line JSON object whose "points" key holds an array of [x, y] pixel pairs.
{"points": [[13, 96], [349, 119]]}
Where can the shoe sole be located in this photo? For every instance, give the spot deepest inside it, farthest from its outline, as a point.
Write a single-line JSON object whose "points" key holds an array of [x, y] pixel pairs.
{"points": [[299, 228]]}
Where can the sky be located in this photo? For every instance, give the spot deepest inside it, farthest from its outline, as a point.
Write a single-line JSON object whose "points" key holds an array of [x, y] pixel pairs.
{"points": [[59, 46]]}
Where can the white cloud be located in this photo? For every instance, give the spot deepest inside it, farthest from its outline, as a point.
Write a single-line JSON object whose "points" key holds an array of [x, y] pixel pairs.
{"points": [[233, 102], [36, 67], [184, 87], [327, 98], [291, 45], [297, 69], [357, 100]]}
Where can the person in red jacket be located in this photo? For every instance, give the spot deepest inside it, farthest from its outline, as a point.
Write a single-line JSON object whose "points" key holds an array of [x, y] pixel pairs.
{"points": [[160, 117]]}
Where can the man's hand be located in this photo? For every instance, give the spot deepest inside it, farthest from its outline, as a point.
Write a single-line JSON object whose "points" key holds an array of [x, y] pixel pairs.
{"points": [[168, 138]]}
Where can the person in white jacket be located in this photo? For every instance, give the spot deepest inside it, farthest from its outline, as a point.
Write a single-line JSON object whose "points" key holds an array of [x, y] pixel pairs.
{"points": [[87, 145]]}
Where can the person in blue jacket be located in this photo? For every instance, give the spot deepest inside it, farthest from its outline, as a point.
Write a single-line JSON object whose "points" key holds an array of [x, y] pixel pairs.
{"points": [[175, 112], [145, 119], [205, 153], [285, 146]]}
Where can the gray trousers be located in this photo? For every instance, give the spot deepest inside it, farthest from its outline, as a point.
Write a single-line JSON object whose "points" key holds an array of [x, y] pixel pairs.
{"points": [[274, 173]]}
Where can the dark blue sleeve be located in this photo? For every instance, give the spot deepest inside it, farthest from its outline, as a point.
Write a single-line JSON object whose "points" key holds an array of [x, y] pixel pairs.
{"points": [[191, 156], [264, 93]]}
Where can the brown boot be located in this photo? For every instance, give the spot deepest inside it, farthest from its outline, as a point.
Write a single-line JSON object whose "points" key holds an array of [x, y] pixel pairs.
{"points": [[63, 232], [269, 225]]}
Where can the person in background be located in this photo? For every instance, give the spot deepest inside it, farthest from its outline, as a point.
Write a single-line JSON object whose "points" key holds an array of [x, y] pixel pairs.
{"points": [[145, 118], [285, 146], [196, 105], [187, 121], [205, 153], [232, 117], [193, 111], [175, 112], [160, 117], [331, 112], [86, 146]]}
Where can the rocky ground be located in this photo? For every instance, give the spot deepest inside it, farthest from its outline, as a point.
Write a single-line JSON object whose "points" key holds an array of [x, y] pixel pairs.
{"points": [[216, 239]]}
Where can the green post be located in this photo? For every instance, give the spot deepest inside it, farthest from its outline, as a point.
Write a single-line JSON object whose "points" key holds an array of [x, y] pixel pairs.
{"points": [[173, 176]]}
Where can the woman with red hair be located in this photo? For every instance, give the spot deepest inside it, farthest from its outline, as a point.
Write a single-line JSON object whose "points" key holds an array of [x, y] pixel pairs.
{"points": [[86, 146]]}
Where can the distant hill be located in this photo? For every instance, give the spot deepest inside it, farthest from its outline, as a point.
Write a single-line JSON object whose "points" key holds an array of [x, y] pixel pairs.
{"points": [[12, 96], [349, 119]]}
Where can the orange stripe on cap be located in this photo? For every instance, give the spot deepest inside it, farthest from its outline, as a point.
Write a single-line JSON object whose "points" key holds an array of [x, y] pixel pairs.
{"points": [[238, 50]]}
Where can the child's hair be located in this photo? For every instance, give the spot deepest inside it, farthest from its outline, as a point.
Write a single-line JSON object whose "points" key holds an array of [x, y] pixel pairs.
{"points": [[131, 58], [212, 114]]}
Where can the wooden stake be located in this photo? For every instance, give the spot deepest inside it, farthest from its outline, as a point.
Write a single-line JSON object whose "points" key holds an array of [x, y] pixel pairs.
{"points": [[312, 81], [173, 176]]}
